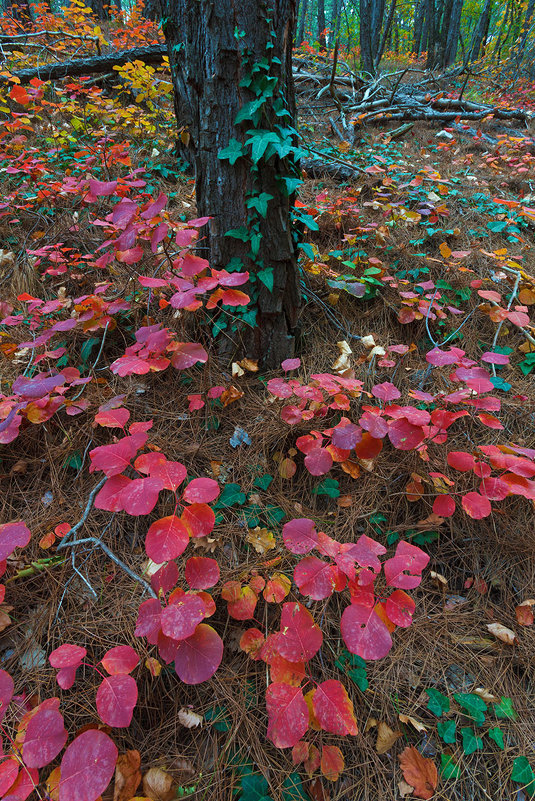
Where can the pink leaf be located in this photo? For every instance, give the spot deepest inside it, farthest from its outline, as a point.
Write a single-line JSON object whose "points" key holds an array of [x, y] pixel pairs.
{"points": [[45, 737], [495, 358], [6, 692], [148, 622], [300, 637], [65, 677], [201, 490], [9, 769], [364, 633], [288, 714], [346, 436], [198, 657], [333, 708], [109, 498], [316, 578], [119, 660], [300, 535], [13, 535], [180, 619], [199, 519], [461, 460], [404, 436], [67, 656], [166, 539], [476, 506], [116, 699], [140, 496], [290, 364], [386, 392], [405, 568], [165, 578], [291, 414], [318, 461], [187, 354], [201, 572], [87, 767]]}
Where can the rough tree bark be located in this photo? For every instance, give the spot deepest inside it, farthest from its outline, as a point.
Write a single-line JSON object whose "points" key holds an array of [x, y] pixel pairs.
{"points": [[321, 23], [215, 49], [480, 32], [302, 22], [152, 9]]}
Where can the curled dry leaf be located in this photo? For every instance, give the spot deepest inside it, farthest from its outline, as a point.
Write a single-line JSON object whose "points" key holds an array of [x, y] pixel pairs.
{"points": [[261, 539], [158, 785], [439, 578], [502, 633], [404, 788], [386, 738], [189, 719], [418, 771], [418, 725], [127, 776], [486, 695]]}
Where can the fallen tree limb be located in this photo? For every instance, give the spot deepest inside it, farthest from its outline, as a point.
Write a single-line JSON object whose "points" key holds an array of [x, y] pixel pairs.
{"points": [[153, 54]]}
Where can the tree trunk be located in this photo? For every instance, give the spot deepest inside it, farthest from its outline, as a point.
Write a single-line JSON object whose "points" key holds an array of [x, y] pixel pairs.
{"points": [[232, 71], [321, 23], [335, 22], [418, 26], [152, 9], [453, 32], [366, 36], [430, 16], [100, 8], [480, 31], [302, 22], [386, 34]]}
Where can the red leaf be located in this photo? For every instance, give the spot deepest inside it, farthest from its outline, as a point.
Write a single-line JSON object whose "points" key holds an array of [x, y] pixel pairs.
{"points": [[109, 498], [180, 619], [334, 709], [166, 539], [19, 95], [444, 505], [201, 572], [318, 461], [407, 558], [45, 737], [141, 495], [332, 762], [201, 490], [9, 769], [346, 436], [23, 786], [476, 506], [148, 622], [291, 414], [386, 392], [300, 535], [171, 473], [364, 633], [198, 657], [187, 354], [404, 436], [418, 771], [317, 579], [300, 637], [113, 459], [288, 714], [461, 460], [116, 699], [243, 603], [290, 364], [251, 642], [65, 677], [6, 692], [87, 767], [13, 535], [67, 656], [400, 608], [165, 578], [369, 447], [199, 519], [120, 660]]}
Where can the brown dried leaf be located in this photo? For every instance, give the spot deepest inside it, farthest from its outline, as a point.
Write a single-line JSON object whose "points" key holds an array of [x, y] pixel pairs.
{"points": [[404, 788], [418, 725], [127, 776], [524, 613], [419, 772], [386, 737], [261, 539]]}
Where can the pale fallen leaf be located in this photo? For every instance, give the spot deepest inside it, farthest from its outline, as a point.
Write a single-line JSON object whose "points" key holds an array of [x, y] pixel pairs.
{"points": [[477, 643], [158, 785], [153, 665], [418, 725], [386, 737], [486, 695], [439, 578], [368, 341], [237, 371], [404, 788], [189, 719], [370, 724], [342, 362], [502, 633]]}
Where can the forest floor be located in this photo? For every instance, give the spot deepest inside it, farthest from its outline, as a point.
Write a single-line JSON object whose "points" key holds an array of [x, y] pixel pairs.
{"points": [[439, 216]]}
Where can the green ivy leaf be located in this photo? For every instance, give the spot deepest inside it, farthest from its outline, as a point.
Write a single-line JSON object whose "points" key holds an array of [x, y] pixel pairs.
{"points": [[471, 742], [254, 787], [218, 717], [474, 705], [259, 140], [292, 789], [497, 735], [448, 768], [523, 773], [329, 487], [232, 152], [260, 203], [267, 277], [438, 703], [263, 482], [505, 709], [446, 730], [230, 496]]}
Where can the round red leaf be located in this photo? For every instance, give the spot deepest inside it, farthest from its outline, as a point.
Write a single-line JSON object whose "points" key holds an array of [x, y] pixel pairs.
{"points": [[45, 737], [120, 660], [198, 657], [300, 535], [476, 506], [318, 461], [288, 714], [199, 519], [67, 656], [13, 535], [364, 632], [201, 572], [444, 505], [201, 490], [116, 699], [166, 539], [300, 637], [180, 619]]}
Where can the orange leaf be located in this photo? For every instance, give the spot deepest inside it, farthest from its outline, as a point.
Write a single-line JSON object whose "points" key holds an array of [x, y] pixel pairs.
{"points": [[419, 772], [19, 95], [445, 250], [524, 613], [332, 762], [127, 776]]}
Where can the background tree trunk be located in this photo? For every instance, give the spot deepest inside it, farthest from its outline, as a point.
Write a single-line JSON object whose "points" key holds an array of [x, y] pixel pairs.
{"points": [[302, 22], [321, 23], [480, 32], [152, 9], [220, 54]]}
